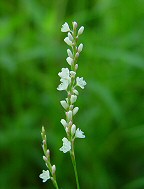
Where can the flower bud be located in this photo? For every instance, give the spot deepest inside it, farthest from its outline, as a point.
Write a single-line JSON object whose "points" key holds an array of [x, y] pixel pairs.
{"points": [[45, 159], [73, 129], [64, 104], [53, 169], [73, 98], [75, 110], [75, 25], [66, 129], [70, 36], [76, 92], [64, 123], [80, 31], [69, 53], [80, 47], [72, 73], [71, 107], [69, 61], [69, 115], [76, 66], [67, 41], [77, 55], [43, 129], [48, 153], [44, 142]]}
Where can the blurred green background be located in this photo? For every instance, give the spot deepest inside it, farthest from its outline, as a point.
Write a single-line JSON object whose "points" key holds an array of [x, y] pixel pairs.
{"points": [[32, 52]]}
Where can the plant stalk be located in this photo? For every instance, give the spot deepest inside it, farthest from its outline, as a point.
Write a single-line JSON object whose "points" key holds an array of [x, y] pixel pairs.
{"points": [[72, 154]]}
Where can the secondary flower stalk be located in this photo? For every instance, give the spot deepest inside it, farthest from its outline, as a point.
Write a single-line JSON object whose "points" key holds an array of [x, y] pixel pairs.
{"points": [[50, 173]]}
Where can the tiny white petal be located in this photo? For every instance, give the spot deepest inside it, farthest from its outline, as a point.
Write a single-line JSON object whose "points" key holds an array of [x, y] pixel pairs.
{"points": [[63, 85], [79, 134], [64, 104], [80, 47], [70, 36], [67, 41], [64, 73], [64, 123], [66, 145], [80, 82], [73, 98], [75, 110], [69, 61], [65, 27], [69, 53], [68, 80], [45, 175], [80, 31]]}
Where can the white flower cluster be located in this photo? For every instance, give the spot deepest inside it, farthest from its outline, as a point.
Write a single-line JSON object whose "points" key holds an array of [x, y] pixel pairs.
{"points": [[69, 83]]}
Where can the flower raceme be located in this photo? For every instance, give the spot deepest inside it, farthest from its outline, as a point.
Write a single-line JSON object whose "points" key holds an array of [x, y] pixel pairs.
{"points": [[70, 83]]}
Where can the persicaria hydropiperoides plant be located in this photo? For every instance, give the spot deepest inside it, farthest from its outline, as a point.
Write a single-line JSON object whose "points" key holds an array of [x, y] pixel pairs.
{"points": [[69, 83]]}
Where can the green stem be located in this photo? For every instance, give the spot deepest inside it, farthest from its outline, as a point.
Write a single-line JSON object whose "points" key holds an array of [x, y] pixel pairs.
{"points": [[55, 183], [74, 165]]}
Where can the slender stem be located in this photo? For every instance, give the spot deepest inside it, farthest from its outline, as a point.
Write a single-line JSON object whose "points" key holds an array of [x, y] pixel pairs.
{"points": [[55, 183], [74, 165]]}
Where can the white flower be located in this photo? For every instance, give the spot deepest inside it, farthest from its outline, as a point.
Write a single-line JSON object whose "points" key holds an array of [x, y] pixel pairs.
{"points": [[65, 79], [45, 175], [66, 145], [64, 73], [63, 85], [69, 61], [68, 42], [69, 53], [80, 82], [80, 47], [79, 134], [80, 31], [65, 27]]}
